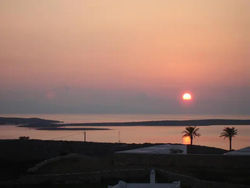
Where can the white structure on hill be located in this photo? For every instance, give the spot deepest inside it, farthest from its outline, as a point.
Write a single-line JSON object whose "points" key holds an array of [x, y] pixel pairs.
{"points": [[243, 151], [152, 184], [159, 149]]}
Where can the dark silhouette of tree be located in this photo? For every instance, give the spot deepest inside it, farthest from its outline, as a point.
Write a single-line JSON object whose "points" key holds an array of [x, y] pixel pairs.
{"points": [[192, 132], [229, 133]]}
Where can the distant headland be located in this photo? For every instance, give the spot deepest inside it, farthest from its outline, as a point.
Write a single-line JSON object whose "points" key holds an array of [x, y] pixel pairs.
{"points": [[201, 122], [44, 124]]}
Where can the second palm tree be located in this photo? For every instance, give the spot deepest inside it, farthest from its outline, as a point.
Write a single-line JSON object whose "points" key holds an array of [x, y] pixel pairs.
{"points": [[229, 133]]}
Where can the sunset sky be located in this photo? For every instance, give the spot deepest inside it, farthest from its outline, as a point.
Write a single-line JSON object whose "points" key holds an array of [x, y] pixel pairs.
{"points": [[138, 56]]}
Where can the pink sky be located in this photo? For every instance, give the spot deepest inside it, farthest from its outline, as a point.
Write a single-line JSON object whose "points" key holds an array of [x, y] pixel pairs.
{"points": [[61, 50]]}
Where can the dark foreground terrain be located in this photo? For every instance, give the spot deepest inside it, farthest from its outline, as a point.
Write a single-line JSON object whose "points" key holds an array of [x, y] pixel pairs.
{"points": [[36, 163]]}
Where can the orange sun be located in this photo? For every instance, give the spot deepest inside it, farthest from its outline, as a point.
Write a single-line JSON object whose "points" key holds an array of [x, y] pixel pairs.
{"points": [[186, 140], [186, 96]]}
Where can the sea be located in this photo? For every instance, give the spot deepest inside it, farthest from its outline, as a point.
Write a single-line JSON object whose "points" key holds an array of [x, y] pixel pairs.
{"points": [[210, 135]]}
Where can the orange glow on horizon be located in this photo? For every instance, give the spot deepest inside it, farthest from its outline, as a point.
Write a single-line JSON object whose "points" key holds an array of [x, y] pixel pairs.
{"points": [[187, 97], [186, 140]]}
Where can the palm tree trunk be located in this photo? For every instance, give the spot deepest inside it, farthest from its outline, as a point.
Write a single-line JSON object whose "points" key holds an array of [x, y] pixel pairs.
{"points": [[230, 143], [191, 140]]}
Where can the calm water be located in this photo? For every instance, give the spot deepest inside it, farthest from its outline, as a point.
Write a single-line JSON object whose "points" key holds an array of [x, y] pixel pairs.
{"points": [[138, 134]]}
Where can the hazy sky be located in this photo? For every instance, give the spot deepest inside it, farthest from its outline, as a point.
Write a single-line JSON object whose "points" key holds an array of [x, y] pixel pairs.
{"points": [[138, 56]]}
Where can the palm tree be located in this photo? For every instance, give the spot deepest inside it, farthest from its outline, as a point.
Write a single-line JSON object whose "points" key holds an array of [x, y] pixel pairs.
{"points": [[229, 133], [192, 132]]}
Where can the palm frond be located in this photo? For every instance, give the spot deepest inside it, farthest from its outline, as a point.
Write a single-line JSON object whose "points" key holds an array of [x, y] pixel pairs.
{"points": [[191, 131], [229, 132]]}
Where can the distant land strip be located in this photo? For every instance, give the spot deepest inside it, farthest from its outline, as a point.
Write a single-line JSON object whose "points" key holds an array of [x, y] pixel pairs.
{"points": [[70, 129], [202, 122], [43, 124], [29, 122]]}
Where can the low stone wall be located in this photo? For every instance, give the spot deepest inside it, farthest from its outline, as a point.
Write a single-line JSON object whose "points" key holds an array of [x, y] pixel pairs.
{"points": [[194, 161], [51, 160], [90, 177]]}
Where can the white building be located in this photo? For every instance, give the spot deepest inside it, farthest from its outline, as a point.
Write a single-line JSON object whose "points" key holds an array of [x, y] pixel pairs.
{"points": [[152, 184], [243, 151], [159, 149]]}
